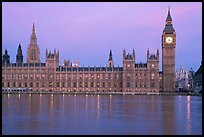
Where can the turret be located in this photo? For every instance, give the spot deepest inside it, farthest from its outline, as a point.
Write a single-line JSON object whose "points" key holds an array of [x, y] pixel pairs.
{"points": [[157, 54], [133, 54], [52, 59], [124, 54], [147, 54], [110, 60], [6, 58], [19, 56]]}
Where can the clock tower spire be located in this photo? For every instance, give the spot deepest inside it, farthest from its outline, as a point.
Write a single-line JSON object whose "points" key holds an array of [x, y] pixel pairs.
{"points": [[168, 55]]}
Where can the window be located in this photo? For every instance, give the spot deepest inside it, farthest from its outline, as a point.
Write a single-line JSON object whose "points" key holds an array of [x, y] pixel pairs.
{"points": [[31, 84], [92, 84], [69, 84], [80, 84], [2, 84], [115, 84], [86, 84], [152, 84], [80, 77], [128, 85], [109, 76], [63, 84], [152, 76], [98, 84], [69, 76], [109, 84], [103, 84], [58, 84], [74, 84], [50, 84], [74, 76], [121, 84], [115, 76], [103, 76], [98, 76], [92, 76], [14, 84], [25, 84], [37, 85], [128, 76], [19, 84]]}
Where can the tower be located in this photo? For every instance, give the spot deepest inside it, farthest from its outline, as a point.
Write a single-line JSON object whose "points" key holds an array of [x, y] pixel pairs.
{"points": [[168, 55], [19, 56], [33, 55], [128, 71], [110, 60], [52, 59], [6, 58], [153, 70]]}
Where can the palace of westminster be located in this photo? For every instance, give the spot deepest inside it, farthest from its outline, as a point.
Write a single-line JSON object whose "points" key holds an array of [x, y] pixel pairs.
{"points": [[141, 78]]}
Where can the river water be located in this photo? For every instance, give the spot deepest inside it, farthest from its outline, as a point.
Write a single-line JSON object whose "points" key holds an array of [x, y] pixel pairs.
{"points": [[65, 114]]}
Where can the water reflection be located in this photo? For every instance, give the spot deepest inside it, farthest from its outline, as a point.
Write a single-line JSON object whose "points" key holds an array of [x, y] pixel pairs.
{"points": [[100, 114], [189, 113], [168, 118]]}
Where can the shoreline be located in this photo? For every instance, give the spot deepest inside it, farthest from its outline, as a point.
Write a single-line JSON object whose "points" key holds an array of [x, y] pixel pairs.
{"points": [[102, 93]]}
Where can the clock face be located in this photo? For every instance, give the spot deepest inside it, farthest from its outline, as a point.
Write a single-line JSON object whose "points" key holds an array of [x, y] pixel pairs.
{"points": [[169, 40]]}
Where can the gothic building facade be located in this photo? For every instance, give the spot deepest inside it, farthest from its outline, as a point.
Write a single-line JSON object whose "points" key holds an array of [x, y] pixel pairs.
{"points": [[132, 77]]}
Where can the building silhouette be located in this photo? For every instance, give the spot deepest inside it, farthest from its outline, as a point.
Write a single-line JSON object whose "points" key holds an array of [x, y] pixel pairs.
{"points": [[137, 78]]}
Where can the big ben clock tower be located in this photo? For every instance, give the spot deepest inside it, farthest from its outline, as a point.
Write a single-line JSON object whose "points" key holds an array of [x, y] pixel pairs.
{"points": [[168, 55]]}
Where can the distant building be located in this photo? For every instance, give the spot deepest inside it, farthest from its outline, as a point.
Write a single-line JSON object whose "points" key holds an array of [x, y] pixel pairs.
{"points": [[184, 80], [198, 79]]}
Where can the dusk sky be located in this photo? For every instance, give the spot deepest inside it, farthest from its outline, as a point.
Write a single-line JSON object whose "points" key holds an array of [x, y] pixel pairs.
{"points": [[87, 31]]}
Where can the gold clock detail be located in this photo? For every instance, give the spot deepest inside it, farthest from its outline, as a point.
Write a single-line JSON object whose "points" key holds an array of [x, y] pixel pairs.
{"points": [[169, 40]]}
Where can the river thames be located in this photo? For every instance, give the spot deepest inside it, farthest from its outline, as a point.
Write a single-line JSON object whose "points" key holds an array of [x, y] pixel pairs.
{"points": [[63, 114]]}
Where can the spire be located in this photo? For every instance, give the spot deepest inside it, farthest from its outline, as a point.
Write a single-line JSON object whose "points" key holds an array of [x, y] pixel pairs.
{"points": [[169, 15], [124, 54], [133, 54], [147, 54], [110, 55], [157, 54], [33, 31], [19, 46], [33, 38]]}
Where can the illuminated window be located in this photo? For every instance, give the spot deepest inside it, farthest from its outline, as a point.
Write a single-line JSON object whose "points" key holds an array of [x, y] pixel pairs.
{"points": [[152, 76]]}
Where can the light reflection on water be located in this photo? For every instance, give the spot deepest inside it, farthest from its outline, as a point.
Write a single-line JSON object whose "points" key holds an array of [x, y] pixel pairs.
{"points": [[101, 114]]}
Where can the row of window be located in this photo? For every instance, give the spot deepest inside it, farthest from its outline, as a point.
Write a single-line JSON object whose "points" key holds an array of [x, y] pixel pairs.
{"points": [[74, 76], [80, 84]]}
